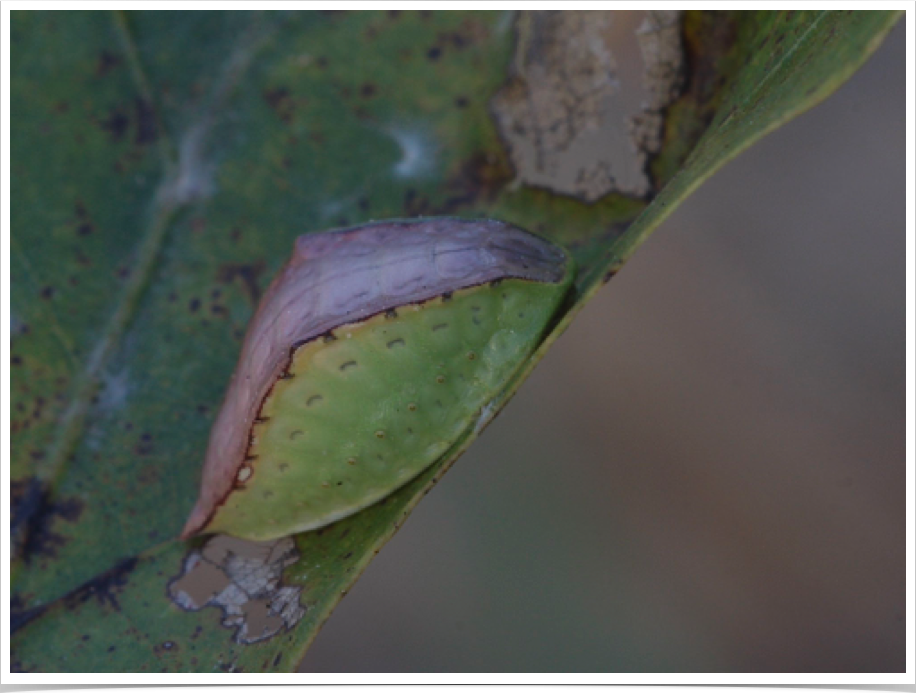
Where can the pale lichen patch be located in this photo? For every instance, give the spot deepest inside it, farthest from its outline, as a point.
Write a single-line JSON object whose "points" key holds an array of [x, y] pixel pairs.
{"points": [[417, 153], [244, 579], [115, 389], [582, 112]]}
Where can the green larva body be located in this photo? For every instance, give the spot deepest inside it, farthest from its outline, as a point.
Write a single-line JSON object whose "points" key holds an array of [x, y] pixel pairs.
{"points": [[360, 409]]}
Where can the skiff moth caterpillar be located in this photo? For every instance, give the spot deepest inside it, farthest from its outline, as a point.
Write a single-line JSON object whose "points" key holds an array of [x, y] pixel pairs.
{"points": [[371, 352]]}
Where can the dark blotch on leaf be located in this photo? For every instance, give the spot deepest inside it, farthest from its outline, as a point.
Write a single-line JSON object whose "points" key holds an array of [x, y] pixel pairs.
{"points": [[116, 125], [281, 102], [20, 615], [104, 587], [34, 512], [146, 122], [416, 204], [248, 273], [106, 63], [479, 178]]}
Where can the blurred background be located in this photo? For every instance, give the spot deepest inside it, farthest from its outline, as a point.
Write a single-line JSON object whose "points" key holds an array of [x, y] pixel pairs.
{"points": [[707, 471]]}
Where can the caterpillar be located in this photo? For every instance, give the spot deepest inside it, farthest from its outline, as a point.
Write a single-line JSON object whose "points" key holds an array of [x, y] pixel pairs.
{"points": [[373, 350]]}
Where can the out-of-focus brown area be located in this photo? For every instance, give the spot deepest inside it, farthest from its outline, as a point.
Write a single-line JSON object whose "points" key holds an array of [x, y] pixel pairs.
{"points": [[707, 471]]}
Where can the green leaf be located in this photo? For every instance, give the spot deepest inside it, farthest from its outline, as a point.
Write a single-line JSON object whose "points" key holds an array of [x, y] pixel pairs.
{"points": [[162, 165]]}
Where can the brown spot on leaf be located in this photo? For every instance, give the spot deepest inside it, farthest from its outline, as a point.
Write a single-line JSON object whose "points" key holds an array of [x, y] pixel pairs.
{"points": [[116, 125], [248, 273], [416, 204], [480, 178], [281, 102], [166, 647], [82, 259], [106, 63], [147, 130], [145, 446]]}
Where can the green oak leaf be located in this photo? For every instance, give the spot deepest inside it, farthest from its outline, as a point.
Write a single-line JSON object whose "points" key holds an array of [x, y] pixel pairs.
{"points": [[163, 163]]}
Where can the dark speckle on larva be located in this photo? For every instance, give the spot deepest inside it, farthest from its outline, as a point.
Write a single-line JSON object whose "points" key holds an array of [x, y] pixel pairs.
{"points": [[362, 328]]}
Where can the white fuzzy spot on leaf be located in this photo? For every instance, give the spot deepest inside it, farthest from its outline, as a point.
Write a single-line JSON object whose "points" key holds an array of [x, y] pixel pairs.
{"points": [[417, 153]]}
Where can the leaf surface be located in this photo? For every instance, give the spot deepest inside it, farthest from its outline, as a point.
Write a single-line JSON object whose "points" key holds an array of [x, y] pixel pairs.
{"points": [[163, 163]]}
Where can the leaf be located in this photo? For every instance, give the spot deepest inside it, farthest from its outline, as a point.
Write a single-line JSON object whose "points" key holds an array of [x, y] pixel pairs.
{"points": [[163, 164]]}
